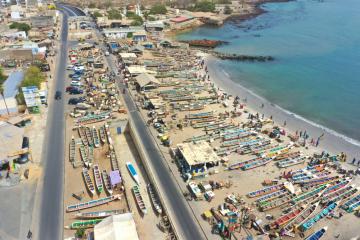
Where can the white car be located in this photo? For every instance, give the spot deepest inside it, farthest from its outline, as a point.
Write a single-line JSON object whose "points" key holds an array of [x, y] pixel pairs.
{"points": [[79, 68], [70, 67], [75, 83]]}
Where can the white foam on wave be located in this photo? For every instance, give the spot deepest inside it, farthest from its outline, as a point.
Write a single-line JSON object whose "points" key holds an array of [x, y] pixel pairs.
{"points": [[292, 114]]}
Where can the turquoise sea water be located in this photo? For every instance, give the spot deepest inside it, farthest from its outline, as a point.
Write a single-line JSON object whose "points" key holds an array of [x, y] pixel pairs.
{"points": [[317, 49]]}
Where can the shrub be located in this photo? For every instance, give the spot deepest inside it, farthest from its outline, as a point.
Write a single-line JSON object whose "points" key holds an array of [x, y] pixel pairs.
{"points": [[158, 9]]}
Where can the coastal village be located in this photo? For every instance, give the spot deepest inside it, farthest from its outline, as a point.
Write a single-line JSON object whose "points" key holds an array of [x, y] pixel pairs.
{"points": [[242, 174]]}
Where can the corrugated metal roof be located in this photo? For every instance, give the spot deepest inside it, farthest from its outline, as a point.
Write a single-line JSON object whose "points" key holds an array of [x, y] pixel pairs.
{"points": [[11, 84]]}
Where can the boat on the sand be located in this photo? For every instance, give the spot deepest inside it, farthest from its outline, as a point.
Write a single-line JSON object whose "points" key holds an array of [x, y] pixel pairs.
{"points": [[318, 234], [99, 214], [106, 181], [84, 224], [98, 180], [88, 182], [133, 172], [92, 203], [139, 199], [154, 199]]}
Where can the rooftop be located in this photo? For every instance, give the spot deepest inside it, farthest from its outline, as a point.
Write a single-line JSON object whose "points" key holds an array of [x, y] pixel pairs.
{"points": [[10, 139], [198, 153]]}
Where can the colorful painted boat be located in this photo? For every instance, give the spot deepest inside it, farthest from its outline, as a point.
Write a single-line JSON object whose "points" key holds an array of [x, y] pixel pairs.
{"points": [[89, 137], [287, 156], [84, 155], [92, 203], [336, 187], [260, 162], [72, 150], [271, 196], [113, 160], [85, 224], [102, 134], [82, 134], [318, 234], [291, 162], [133, 172], [88, 182], [300, 219], [154, 199], [99, 214], [239, 165], [90, 156], [98, 180], [286, 218], [309, 194], [106, 181], [342, 193], [139, 199], [321, 215], [95, 137], [318, 181], [351, 204], [265, 191], [275, 203]]}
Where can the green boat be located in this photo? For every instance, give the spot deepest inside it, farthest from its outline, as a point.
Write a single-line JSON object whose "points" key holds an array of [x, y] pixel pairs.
{"points": [[85, 224]]}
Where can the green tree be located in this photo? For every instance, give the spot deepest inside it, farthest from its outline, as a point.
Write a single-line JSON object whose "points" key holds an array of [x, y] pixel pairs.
{"points": [[227, 10], [130, 14], [3, 77], [20, 26], [203, 6], [80, 233], [158, 9], [114, 14], [129, 35], [33, 77], [138, 21], [97, 14]]}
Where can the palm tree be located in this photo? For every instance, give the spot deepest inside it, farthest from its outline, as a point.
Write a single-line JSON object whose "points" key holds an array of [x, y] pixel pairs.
{"points": [[2, 95]]}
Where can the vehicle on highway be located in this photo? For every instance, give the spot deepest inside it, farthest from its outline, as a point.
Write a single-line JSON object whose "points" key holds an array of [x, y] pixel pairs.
{"points": [[57, 95], [76, 91], [74, 101], [75, 84], [79, 68]]}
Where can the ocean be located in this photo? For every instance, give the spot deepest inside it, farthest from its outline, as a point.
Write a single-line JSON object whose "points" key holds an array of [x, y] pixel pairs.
{"points": [[316, 46]]}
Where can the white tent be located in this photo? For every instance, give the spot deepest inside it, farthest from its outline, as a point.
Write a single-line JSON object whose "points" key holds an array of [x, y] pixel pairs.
{"points": [[116, 227]]}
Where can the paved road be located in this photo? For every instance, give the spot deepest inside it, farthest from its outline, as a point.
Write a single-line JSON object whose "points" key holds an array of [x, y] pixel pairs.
{"points": [[51, 215], [187, 227]]}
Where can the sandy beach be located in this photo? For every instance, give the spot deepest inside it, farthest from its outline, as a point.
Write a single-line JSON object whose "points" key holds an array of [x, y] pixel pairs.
{"points": [[331, 141]]}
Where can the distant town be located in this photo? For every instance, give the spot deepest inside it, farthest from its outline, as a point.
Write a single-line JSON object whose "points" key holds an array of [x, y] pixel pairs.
{"points": [[113, 128]]}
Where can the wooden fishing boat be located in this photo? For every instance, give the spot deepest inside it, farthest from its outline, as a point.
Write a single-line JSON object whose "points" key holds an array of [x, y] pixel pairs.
{"points": [[351, 204], [102, 134], [321, 215], [256, 164], [90, 156], [336, 187], [84, 155], [271, 196], [319, 181], [88, 182], [353, 207], [106, 180], [154, 199], [265, 191], [139, 200], [95, 137], [300, 219], [275, 203], [286, 218], [98, 180], [92, 203], [82, 135], [133, 172], [99, 214], [85, 224], [89, 137], [113, 160], [287, 156], [239, 165], [342, 193], [318, 234], [72, 150], [309, 194], [290, 162]]}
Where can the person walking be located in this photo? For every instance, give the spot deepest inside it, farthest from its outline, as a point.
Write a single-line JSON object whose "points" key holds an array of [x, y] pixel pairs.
{"points": [[358, 163], [353, 161]]}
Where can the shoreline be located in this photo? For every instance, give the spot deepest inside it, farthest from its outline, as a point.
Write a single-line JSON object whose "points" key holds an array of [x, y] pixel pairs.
{"points": [[332, 141]]}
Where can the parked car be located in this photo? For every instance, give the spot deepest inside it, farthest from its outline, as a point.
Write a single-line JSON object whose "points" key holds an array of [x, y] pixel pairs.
{"points": [[57, 95], [79, 68], [75, 83], [74, 101], [69, 88], [70, 67], [25, 142], [76, 91], [76, 78]]}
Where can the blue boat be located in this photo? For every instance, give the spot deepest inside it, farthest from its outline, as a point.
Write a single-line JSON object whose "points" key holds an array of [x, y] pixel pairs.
{"points": [[133, 172], [317, 235]]}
